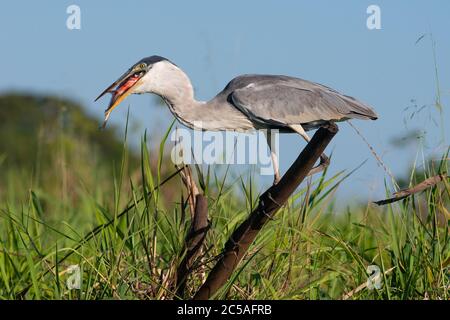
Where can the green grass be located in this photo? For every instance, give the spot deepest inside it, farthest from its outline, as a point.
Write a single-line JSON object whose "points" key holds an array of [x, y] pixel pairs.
{"points": [[314, 249]]}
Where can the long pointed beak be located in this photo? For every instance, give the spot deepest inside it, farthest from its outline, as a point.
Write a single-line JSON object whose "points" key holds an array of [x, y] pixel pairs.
{"points": [[116, 83], [120, 89]]}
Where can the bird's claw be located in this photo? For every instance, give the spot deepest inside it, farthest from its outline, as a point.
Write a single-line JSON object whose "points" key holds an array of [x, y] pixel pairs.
{"points": [[324, 163]]}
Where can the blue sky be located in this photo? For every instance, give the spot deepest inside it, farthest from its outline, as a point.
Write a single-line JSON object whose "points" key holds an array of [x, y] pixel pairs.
{"points": [[323, 41]]}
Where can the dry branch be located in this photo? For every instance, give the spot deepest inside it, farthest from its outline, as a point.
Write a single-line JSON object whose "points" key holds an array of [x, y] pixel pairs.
{"points": [[194, 242], [198, 205], [269, 203], [402, 194]]}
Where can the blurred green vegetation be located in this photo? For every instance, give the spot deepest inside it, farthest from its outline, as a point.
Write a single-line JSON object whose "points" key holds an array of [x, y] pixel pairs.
{"points": [[51, 145], [33, 127]]}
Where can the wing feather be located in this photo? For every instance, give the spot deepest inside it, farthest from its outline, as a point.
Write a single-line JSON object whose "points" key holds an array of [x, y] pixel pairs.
{"points": [[284, 100]]}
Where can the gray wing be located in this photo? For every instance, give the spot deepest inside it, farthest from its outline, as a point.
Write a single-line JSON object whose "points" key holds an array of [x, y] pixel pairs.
{"points": [[281, 100]]}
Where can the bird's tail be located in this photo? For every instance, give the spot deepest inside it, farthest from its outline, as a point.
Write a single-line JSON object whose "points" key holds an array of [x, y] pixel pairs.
{"points": [[360, 110]]}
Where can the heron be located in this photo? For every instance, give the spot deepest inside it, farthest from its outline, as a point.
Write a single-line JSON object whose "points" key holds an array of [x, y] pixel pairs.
{"points": [[248, 102]]}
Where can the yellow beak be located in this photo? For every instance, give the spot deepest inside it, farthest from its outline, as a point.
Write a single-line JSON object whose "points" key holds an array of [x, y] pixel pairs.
{"points": [[120, 89]]}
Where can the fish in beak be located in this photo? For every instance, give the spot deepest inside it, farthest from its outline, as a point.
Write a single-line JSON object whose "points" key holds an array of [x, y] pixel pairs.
{"points": [[120, 90]]}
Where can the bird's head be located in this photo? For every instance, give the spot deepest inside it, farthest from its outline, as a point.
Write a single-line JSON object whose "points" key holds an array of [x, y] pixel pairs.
{"points": [[144, 76]]}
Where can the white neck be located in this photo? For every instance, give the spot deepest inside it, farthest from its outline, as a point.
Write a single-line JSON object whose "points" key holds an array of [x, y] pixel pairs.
{"points": [[173, 85], [169, 82]]}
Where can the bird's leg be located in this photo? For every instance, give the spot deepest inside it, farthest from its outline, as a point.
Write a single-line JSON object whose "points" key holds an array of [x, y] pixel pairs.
{"points": [[324, 160], [273, 155], [276, 169]]}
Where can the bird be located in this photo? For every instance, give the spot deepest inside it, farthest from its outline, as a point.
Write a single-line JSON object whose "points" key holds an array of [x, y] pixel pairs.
{"points": [[248, 102]]}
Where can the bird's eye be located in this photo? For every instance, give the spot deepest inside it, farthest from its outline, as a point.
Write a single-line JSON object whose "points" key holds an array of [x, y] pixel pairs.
{"points": [[142, 66]]}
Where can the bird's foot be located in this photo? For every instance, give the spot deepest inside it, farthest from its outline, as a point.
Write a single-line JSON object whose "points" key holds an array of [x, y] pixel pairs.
{"points": [[324, 162], [276, 179]]}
